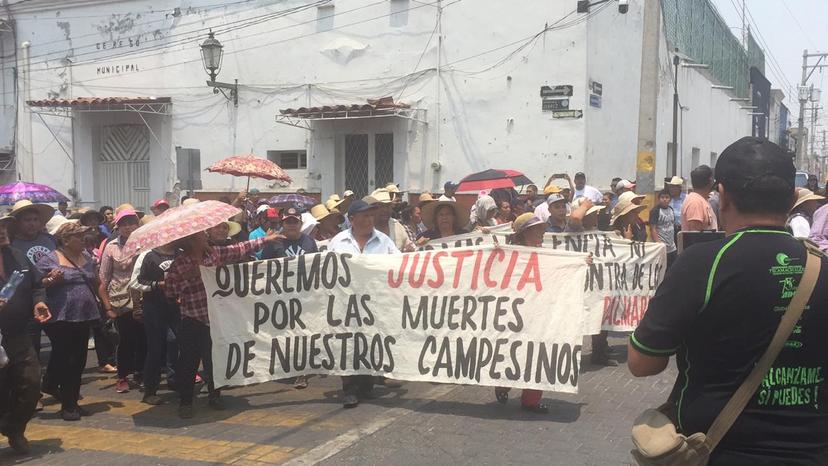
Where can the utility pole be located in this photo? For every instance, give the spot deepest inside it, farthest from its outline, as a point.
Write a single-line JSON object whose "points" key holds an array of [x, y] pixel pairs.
{"points": [[804, 96], [648, 105], [815, 108], [674, 152]]}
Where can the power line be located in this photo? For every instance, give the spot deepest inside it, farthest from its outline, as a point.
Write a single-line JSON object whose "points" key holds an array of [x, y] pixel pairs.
{"points": [[136, 25], [268, 44], [801, 29], [425, 49], [230, 26], [173, 10], [774, 66]]}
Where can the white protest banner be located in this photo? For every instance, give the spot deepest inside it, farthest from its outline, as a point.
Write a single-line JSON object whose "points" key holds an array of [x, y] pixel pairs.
{"points": [[620, 282], [496, 316]]}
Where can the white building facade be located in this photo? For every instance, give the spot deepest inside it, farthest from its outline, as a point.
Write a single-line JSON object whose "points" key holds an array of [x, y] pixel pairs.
{"points": [[107, 93]]}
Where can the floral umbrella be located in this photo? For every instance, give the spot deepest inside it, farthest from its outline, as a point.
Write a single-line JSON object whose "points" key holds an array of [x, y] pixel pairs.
{"points": [[178, 222], [37, 193], [250, 166]]}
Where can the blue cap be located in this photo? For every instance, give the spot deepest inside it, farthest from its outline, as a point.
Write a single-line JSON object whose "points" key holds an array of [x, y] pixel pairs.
{"points": [[359, 206]]}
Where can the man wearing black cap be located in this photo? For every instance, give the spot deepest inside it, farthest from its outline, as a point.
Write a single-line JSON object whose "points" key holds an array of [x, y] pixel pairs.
{"points": [[584, 190], [719, 306], [448, 191], [361, 238]]}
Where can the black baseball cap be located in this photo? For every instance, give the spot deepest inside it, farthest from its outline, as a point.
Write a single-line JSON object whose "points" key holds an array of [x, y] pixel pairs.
{"points": [[360, 206], [755, 164], [291, 212]]}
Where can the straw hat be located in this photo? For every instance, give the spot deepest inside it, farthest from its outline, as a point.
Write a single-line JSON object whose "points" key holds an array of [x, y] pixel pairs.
{"points": [[425, 198], [147, 219], [623, 207], [45, 211], [321, 212], [121, 207], [190, 201], [69, 228], [631, 196], [429, 213], [333, 201], [594, 209], [525, 221], [382, 195], [552, 189], [804, 195], [57, 221], [234, 228], [676, 181]]}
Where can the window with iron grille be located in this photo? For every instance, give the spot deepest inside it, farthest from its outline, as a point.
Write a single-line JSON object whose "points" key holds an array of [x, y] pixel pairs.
{"points": [[289, 159]]}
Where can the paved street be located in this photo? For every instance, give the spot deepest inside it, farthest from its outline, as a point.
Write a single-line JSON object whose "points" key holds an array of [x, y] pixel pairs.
{"points": [[417, 423]]}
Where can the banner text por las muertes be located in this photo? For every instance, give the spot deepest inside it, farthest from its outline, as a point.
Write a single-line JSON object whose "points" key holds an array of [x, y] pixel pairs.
{"points": [[484, 315]]}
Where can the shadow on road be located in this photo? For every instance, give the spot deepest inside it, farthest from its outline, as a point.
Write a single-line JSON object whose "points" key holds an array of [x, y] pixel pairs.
{"points": [[39, 450]]}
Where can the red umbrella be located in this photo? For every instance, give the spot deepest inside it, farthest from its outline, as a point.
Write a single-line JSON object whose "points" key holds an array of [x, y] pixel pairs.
{"points": [[250, 166], [178, 222], [493, 179]]}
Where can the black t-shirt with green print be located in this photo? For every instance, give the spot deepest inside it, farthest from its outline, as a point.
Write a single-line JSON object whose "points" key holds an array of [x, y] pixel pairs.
{"points": [[717, 310]]}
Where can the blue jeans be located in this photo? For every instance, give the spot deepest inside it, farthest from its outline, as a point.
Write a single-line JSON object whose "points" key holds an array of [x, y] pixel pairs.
{"points": [[162, 349]]}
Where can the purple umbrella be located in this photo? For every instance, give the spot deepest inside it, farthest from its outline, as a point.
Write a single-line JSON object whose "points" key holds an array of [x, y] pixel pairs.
{"points": [[38, 193], [291, 199]]}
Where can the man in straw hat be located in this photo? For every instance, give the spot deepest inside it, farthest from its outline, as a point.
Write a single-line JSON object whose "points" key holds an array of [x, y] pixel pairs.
{"points": [[384, 221], [29, 236], [802, 213], [20, 379], [718, 309], [361, 238], [328, 222], [31, 239]]}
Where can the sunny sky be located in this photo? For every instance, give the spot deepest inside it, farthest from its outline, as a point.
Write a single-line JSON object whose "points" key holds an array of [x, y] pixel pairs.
{"points": [[784, 28]]}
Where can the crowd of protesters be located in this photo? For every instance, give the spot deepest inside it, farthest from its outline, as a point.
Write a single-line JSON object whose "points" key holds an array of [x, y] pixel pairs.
{"points": [[147, 315]]}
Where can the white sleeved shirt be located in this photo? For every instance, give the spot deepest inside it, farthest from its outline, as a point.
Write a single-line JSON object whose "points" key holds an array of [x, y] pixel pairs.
{"points": [[800, 228], [590, 193], [379, 243]]}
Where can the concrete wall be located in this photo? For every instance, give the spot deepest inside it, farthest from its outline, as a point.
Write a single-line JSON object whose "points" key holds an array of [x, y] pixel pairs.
{"points": [[710, 123], [489, 113], [614, 60]]}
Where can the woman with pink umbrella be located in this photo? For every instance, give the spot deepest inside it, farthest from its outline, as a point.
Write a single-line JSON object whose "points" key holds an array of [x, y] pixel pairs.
{"points": [[186, 226]]}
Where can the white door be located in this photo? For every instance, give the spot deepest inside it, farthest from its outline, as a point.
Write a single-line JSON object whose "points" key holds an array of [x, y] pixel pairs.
{"points": [[124, 166], [369, 162]]}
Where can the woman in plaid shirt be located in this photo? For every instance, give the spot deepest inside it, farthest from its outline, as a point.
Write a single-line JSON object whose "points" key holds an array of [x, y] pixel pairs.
{"points": [[184, 285]]}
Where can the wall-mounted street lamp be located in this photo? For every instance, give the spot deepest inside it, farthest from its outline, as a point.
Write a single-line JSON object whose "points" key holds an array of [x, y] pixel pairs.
{"points": [[740, 99], [211, 55]]}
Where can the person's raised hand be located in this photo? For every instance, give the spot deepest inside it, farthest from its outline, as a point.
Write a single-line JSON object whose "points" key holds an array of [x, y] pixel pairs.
{"points": [[273, 237]]}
